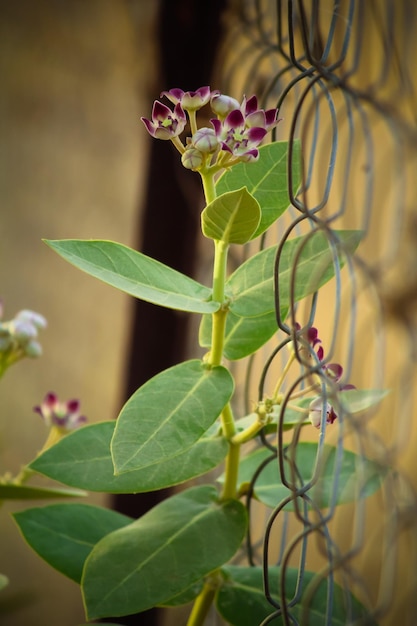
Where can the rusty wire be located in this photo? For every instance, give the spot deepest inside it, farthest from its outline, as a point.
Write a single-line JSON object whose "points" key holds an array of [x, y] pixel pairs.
{"points": [[341, 73]]}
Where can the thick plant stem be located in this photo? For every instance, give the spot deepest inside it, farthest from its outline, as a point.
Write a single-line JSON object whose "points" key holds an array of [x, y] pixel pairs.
{"points": [[218, 318], [202, 605], [221, 249], [205, 599], [217, 340], [208, 186], [231, 472]]}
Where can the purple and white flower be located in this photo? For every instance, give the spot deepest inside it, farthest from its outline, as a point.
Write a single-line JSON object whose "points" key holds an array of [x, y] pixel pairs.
{"points": [[318, 409], [243, 128], [165, 124], [190, 100], [332, 371], [63, 415]]}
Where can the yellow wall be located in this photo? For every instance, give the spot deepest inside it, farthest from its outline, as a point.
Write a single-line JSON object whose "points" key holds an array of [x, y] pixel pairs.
{"points": [[74, 79]]}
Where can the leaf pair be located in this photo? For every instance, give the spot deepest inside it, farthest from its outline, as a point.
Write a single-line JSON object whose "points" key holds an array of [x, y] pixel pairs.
{"points": [[159, 438], [129, 566], [116, 579], [252, 319], [241, 215]]}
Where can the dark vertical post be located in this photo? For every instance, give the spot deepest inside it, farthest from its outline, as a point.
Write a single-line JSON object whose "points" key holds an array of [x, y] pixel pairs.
{"points": [[189, 32]]}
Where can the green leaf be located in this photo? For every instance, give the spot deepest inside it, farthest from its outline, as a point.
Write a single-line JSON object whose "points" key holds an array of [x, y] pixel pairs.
{"points": [[243, 336], [339, 480], [168, 414], [27, 492], [83, 459], [241, 600], [163, 553], [358, 400], [251, 286], [64, 534], [266, 180], [186, 596], [232, 217], [136, 274]]}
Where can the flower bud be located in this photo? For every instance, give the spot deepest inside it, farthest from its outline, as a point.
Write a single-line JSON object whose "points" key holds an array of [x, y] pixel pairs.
{"points": [[33, 349], [205, 140], [222, 105], [192, 158], [23, 331], [32, 317]]}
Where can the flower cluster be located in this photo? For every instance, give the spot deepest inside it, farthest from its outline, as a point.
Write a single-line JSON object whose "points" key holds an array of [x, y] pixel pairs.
{"points": [[19, 337], [332, 371], [234, 135], [63, 415]]}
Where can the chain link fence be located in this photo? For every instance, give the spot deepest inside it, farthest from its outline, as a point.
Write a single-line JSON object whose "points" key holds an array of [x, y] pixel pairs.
{"points": [[342, 74]]}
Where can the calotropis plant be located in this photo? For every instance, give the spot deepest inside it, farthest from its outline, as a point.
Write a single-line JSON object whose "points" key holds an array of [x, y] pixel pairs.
{"points": [[182, 423]]}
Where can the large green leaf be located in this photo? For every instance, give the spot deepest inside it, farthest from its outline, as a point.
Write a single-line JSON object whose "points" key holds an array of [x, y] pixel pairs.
{"points": [[163, 553], [241, 600], [251, 286], [232, 217], [64, 534], [186, 596], [168, 414], [243, 335], [136, 274], [339, 480], [266, 180], [9, 491], [83, 459]]}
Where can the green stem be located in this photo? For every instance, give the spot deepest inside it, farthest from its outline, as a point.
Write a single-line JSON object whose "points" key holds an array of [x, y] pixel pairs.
{"points": [[202, 605], [249, 433], [218, 318], [193, 121], [282, 377], [231, 472], [221, 249], [228, 422], [209, 187], [205, 599], [217, 337]]}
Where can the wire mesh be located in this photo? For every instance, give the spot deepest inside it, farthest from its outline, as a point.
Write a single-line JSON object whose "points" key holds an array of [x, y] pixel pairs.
{"points": [[341, 72]]}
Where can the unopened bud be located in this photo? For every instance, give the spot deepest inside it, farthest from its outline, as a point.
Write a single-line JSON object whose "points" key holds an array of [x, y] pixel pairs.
{"points": [[222, 105], [23, 331], [205, 140], [38, 320], [33, 349], [192, 158]]}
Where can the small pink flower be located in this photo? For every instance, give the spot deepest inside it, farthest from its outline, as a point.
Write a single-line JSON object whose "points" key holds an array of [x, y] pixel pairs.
{"points": [[242, 129], [317, 411], [189, 100], [63, 415], [165, 124]]}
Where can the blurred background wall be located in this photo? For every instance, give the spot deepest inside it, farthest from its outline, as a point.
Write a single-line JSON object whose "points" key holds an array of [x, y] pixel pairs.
{"points": [[74, 162], [74, 79]]}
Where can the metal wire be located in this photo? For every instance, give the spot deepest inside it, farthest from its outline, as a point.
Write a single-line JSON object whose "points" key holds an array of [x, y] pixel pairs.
{"points": [[341, 72]]}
